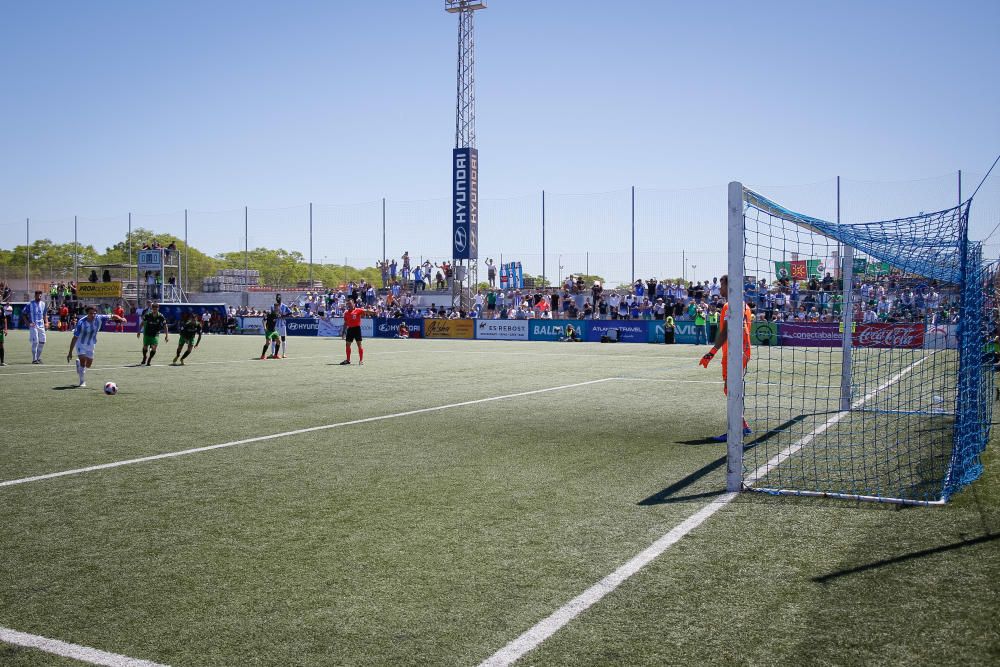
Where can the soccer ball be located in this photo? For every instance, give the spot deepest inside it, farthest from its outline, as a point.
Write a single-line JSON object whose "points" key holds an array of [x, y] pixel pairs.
{"points": [[110, 388]]}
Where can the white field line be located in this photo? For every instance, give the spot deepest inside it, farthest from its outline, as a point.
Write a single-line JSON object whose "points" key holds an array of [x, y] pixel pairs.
{"points": [[549, 626], [545, 628], [312, 429], [81, 653]]}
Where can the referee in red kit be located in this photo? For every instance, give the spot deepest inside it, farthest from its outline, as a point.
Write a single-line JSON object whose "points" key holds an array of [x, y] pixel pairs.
{"points": [[352, 331]]}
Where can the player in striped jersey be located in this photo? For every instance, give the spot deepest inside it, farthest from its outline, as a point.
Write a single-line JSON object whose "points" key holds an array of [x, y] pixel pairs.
{"points": [[281, 311], [36, 314], [85, 340]]}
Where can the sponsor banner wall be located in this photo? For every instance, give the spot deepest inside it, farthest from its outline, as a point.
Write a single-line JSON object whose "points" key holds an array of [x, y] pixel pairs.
{"points": [[302, 326], [332, 326], [764, 333], [888, 335], [502, 329], [630, 331], [389, 327], [941, 337], [250, 325], [449, 329], [110, 290], [810, 334], [555, 329], [684, 332], [131, 324]]}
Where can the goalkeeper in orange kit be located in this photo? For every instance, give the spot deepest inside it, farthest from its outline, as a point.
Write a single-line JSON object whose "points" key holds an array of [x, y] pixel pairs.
{"points": [[721, 342]]}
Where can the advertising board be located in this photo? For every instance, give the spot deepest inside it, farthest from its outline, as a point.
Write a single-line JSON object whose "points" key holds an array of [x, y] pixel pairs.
{"points": [[389, 327], [449, 329], [109, 290], [763, 332], [810, 334], [502, 329], [302, 326], [895, 335], [555, 329], [628, 331]]}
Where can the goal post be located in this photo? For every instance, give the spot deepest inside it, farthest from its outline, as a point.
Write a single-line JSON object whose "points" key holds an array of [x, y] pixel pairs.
{"points": [[876, 379], [734, 341]]}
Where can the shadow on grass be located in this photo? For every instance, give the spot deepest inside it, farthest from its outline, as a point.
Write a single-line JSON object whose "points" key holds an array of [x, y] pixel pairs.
{"points": [[982, 539], [65, 387], [667, 494]]}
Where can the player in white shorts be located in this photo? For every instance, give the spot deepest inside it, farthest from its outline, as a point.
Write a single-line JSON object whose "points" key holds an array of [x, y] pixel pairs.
{"points": [[36, 314], [282, 311], [85, 340]]}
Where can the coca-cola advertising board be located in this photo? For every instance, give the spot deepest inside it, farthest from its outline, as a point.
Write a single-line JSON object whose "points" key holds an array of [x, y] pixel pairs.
{"points": [[889, 335]]}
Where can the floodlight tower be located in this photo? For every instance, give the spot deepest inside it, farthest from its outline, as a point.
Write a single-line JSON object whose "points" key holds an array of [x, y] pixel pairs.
{"points": [[465, 159]]}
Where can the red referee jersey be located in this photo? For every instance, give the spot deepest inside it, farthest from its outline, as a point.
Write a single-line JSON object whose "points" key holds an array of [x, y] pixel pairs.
{"points": [[352, 318]]}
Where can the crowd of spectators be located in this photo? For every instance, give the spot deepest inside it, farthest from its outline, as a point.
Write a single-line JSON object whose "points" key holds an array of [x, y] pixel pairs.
{"points": [[893, 298]]}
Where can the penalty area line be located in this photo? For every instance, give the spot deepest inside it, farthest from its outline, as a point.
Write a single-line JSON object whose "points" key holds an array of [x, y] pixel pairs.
{"points": [[312, 429], [74, 651], [547, 627]]}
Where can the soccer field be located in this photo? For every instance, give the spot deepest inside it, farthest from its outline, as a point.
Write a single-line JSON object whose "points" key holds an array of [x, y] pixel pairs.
{"points": [[434, 505]]}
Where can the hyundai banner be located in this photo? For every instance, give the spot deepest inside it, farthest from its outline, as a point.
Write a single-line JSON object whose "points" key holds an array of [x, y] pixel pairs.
{"points": [[389, 327], [465, 203], [302, 326], [502, 329]]}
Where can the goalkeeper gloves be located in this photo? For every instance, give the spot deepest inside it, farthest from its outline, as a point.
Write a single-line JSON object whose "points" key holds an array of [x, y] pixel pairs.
{"points": [[707, 358]]}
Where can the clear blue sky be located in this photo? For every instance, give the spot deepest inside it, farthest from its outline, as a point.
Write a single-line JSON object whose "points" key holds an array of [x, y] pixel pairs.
{"points": [[153, 107]]}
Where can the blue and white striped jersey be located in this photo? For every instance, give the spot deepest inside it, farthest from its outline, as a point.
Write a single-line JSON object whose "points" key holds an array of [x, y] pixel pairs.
{"points": [[36, 312], [86, 331]]}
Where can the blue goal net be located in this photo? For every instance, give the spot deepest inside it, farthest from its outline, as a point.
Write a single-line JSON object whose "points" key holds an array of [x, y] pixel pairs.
{"points": [[874, 346]]}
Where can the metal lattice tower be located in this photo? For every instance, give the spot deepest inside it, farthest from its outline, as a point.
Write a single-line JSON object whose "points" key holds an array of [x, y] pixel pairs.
{"points": [[465, 103], [465, 122]]}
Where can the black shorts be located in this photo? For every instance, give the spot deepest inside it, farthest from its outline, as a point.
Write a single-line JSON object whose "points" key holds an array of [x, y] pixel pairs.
{"points": [[353, 334]]}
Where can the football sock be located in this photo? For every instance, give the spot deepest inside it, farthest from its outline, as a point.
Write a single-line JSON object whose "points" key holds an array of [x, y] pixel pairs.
{"points": [[144, 351], [83, 372], [152, 353], [1, 353], [40, 346], [348, 351], [284, 350], [361, 353], [264, 351], [184, 356]]}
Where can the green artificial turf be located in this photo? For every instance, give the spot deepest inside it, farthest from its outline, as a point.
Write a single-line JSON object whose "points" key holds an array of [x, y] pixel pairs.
{"points": [[440, 536]]}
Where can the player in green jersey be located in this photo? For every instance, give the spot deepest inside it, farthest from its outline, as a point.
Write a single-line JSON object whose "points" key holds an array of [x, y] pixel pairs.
{"points": [[153, 322], [271, 336], [190, 327]]}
